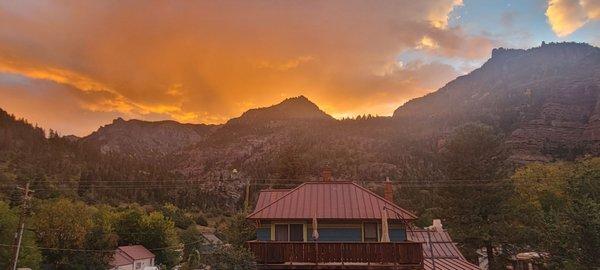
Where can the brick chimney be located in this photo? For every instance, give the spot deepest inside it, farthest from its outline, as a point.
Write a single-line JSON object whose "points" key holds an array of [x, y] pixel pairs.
{"points": [[326, 174], [388, 192]]}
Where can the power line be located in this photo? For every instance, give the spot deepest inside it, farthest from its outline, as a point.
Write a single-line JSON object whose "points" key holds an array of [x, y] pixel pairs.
{"points": [[103, 250], [179, 186], [290, 180]]}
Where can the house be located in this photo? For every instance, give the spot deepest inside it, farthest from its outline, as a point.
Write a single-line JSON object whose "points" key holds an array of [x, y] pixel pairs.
{"points": [[211, 242], [337, 224], [135, 257], [439, 251]]}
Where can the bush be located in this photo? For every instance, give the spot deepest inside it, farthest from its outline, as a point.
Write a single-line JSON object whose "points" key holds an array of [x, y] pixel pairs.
{"points": [[201, 220], [230, 257], [178, 216]]}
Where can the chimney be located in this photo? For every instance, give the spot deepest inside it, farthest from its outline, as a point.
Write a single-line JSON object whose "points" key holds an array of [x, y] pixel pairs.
{"points": [[388, 192], [437, 225], [326, 174]]}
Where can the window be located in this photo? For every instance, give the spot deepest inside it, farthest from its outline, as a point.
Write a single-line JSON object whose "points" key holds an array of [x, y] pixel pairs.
{"points": [[289, 232], [296, 232], [281, 232], [138, 265], [370, 232]]}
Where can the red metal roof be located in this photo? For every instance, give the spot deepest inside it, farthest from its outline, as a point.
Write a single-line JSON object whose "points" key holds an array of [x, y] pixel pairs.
{"points": [[449, 264], [445, 252], [327, 200], [137, 252], [267, 196], [120, 259]]}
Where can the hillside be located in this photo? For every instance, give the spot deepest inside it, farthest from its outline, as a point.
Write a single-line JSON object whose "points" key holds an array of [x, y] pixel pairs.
{"points": [[146, 138], [547, 99], [544, 102]]}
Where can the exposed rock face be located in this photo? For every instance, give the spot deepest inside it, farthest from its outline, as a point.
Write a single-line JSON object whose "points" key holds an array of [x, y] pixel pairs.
{"points": [[142, 138], [546, 99]]}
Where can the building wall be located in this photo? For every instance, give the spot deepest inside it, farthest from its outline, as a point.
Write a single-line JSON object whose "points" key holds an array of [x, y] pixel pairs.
{"points": [[331, 231], [140, 264], [123, 267]]}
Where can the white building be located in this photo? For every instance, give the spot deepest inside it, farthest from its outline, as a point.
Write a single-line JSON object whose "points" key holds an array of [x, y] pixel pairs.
{"points": [[135, 257]]}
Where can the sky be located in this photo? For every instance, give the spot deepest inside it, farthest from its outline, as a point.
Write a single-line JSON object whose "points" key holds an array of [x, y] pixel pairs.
{"points": [[73, 66]]}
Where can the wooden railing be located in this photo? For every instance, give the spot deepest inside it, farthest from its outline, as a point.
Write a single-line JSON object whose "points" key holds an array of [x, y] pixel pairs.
{"points": [[269, 252]]}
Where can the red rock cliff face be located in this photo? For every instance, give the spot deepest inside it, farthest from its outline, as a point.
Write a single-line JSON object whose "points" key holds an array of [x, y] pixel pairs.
{"points": [[545, 100]]}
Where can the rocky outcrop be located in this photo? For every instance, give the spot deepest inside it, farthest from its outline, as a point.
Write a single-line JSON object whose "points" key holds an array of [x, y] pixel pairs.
{"points": [[544, 99], [141, 138]]}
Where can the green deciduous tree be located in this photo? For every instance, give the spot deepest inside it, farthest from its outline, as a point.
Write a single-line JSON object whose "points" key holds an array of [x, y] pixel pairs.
{"points": [[62, 224], [181, 219], [239, 230], [30, 256], [152, 230], [230, 257], [67, 227], [192, 240], [565, 198]]}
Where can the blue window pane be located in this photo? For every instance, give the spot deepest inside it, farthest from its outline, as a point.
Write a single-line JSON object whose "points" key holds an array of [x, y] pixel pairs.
{"points": [[340, 235], [263, 234], [397, 235]]}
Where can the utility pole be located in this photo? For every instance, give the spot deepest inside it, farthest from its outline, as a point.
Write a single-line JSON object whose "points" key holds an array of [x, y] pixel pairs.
{"points": [[19, 233], [247, 199]]}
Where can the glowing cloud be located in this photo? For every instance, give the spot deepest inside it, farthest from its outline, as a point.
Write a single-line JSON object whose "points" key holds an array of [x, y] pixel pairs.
{"points": [[566, 16], [207, 61]]}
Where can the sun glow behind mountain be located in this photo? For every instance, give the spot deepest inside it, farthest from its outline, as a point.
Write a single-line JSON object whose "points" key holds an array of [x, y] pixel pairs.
{"points": [[206, 62]]}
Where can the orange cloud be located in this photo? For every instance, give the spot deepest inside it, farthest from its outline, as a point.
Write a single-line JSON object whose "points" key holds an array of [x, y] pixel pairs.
{"points": [[207, 61], [566, 16]]}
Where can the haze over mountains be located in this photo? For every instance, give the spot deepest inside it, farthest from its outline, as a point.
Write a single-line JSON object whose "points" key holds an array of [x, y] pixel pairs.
{"points": [[545, 101]]}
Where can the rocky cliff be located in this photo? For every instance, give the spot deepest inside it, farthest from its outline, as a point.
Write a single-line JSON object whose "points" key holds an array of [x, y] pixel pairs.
{"points": [[545, 98], [138, 137]]}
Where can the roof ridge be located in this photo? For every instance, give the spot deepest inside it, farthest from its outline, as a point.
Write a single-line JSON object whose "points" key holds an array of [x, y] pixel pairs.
{"points": [[278, 199], [123, 252], [126, 255], [385, 200]]}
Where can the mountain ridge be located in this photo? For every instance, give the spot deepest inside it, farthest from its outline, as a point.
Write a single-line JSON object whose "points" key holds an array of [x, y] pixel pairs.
{"points": [[545, 99]]}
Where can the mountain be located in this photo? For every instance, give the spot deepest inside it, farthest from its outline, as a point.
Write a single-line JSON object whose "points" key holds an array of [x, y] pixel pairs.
{"points": [[547, 99], [143, 138], [291, 109], [544, 101]]}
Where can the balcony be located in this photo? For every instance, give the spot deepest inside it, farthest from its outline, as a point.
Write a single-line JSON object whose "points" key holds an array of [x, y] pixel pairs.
{"points": [[337, 255]]}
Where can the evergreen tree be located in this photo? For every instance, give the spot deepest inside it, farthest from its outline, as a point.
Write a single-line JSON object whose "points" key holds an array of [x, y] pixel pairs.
{"points": [[477, 206]]}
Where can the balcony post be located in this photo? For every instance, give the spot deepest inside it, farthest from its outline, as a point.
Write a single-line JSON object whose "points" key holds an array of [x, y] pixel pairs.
{"points": [[316, 253], [368, 254], [342, 253]]}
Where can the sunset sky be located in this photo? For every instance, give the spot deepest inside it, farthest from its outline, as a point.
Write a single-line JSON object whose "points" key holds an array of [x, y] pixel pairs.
{"points": [[75, 65]]}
